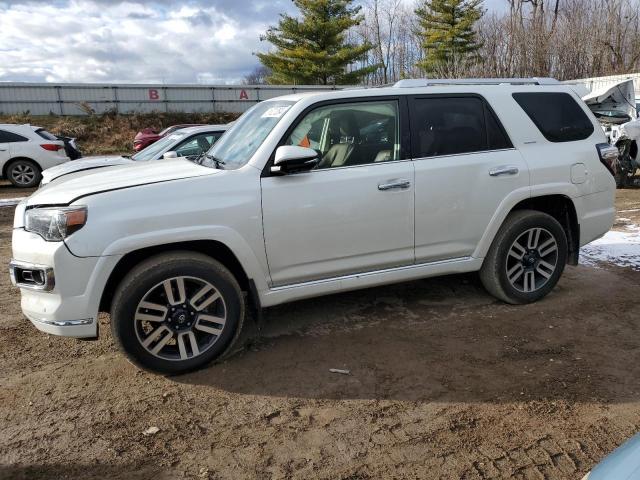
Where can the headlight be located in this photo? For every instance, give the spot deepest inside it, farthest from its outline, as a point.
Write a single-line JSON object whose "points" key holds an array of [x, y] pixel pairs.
{"points": [[55, 223]]}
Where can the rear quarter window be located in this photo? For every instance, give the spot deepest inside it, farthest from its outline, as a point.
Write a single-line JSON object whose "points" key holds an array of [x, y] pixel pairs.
{"points": [[556, 114]]}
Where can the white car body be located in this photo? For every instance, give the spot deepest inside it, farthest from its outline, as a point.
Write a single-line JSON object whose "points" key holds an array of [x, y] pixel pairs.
{"points": [[155, 151], [309, 234], [30, 148]]}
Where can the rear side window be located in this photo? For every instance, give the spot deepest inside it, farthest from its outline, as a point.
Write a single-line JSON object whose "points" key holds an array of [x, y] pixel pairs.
{"points": [[46, 135], [9, 137], [454, 125], [556, 114]]}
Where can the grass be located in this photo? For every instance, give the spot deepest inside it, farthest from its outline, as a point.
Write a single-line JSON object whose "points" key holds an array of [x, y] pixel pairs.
{"points": [[111, 132]]}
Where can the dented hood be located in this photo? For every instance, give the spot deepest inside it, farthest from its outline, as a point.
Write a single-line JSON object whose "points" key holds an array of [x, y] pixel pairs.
{"points": [[619, 96], [70, 187]]}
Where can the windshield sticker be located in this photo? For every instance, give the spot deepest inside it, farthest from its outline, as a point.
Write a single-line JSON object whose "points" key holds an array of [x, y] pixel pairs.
{"points": [[276, 112]]}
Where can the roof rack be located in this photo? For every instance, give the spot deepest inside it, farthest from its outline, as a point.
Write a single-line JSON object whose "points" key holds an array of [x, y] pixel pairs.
{"points": [[425, 82]]}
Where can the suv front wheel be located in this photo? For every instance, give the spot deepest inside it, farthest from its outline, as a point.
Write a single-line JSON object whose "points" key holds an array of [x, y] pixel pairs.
{"points": [[526, 259], [177, 312]]}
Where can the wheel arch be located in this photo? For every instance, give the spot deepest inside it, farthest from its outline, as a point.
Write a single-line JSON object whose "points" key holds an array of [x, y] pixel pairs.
{"points": [[563, 210], [6, 165], [212, 248]]}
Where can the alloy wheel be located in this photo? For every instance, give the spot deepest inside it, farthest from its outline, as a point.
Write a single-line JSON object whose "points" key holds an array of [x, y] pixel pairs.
{"points": [[23, 174], [532, 260], [180, 318]]}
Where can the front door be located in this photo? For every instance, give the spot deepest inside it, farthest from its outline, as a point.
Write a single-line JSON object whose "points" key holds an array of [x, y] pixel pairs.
{"points": [[355, 211]]}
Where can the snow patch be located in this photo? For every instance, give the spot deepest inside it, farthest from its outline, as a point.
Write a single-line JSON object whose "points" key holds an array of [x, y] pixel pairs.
{"points": [[621, 248]]}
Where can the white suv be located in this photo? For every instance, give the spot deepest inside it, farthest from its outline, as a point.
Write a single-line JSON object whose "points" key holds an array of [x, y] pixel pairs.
{"points": [[25, 151], [318, 193]]}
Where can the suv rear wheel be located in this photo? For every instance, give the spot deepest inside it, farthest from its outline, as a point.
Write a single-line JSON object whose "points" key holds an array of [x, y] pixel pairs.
{"points": [[526, 259], [177, 312], [24, 173]]}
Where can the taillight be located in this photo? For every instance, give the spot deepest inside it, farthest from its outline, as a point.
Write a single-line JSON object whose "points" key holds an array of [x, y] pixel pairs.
{"points": [[52, 147], [608, 156]]}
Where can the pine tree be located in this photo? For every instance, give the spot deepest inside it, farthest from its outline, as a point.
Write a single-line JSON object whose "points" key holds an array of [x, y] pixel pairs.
{"points": [[448, 38], [313, 49]]}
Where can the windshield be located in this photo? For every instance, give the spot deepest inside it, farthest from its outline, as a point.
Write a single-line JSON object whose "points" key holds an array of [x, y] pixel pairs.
{"points": [[161, 146], [238, 144]]}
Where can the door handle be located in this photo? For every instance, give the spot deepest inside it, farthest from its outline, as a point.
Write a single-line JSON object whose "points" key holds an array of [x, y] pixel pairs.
{"points": [[399, 184], [504, 170], [3, 149]]}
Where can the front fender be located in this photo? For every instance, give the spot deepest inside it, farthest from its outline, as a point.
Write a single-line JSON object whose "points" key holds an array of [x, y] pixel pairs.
{"points": [[225, 235]]}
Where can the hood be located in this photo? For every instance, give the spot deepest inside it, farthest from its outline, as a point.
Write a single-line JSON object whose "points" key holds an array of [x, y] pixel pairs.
{"points": [[619, 96], [90, 182], [87, 163]]}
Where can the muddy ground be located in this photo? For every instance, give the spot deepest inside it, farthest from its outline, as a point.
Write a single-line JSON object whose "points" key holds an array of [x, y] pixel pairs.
{"points": [[446, 382]]}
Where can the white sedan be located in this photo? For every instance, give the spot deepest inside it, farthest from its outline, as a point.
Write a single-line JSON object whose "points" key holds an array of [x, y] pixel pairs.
{"points": [[186, 142], [25, 151]]}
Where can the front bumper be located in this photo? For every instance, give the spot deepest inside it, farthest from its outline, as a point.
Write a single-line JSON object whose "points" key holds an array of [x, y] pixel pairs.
{"points": [[67, 302]]}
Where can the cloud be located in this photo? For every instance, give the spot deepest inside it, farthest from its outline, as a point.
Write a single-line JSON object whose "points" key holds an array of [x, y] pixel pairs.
{"points": [[134, 41]]}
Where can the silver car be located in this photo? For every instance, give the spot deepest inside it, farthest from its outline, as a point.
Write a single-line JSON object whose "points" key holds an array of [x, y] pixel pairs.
{"points": [[186, 142]]}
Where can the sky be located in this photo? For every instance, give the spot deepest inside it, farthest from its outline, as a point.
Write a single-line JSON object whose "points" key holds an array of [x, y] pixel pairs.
{"points": [[136, 41]]}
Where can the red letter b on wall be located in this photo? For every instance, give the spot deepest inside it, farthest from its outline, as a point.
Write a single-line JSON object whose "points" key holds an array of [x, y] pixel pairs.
{"points": [[153, 94]]}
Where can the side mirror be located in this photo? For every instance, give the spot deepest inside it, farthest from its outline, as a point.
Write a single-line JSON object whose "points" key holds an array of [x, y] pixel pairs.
{"points": [[168, 155], [294, 159]]}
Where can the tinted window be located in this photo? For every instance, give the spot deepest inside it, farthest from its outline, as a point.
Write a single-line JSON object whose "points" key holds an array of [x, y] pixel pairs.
{"points": [[454, 125], [9, 137], [46, 135], [496, 136], [348, 134], [557, 115]]}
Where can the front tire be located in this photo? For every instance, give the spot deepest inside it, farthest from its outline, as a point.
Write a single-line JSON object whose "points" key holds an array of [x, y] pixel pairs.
{"points": [[177, 312], [526, 259], [24, 173]]}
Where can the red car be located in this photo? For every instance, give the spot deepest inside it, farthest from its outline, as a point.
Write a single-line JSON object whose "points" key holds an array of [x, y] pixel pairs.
{"points": [[147, 136]]}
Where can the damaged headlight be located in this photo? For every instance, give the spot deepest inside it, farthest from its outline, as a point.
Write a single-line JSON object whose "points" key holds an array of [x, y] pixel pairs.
{"points": [[55, 223]]}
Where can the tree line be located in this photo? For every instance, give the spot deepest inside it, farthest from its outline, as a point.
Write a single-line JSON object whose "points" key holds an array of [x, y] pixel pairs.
{"points": [[376, 42]]}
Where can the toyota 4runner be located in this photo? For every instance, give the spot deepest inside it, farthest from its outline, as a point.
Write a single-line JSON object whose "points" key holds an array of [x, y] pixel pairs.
{"points": [[313, 194]]}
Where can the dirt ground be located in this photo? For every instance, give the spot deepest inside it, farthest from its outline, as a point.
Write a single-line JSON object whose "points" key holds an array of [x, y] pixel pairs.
{"points": [[446, 383]]}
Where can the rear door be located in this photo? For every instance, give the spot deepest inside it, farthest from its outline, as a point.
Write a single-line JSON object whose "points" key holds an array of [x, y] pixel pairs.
{"points": [[465, 165], [8, 142]]}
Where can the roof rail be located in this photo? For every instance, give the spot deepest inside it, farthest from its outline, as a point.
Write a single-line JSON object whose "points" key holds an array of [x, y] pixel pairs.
{"points": [[425, 82]]}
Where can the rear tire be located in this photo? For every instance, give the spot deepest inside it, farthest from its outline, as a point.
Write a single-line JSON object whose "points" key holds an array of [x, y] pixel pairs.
{"points": [[526, 259], [177, 312], [24, 173]]}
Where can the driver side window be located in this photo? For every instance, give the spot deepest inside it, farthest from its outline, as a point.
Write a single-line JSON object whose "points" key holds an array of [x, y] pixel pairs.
{"points": [[350, 134]]}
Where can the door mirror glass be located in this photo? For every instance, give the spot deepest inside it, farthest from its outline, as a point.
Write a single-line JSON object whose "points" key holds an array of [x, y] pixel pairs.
{"points": [[168, 155], [293, 159]]}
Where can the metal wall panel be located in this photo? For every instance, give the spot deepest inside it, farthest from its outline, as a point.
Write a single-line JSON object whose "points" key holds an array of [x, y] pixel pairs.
{"points": [[67, 99]]}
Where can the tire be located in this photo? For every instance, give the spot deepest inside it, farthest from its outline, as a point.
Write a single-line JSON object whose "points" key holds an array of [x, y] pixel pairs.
{"points": [[178, 328], [24, 173], [500, 273]]}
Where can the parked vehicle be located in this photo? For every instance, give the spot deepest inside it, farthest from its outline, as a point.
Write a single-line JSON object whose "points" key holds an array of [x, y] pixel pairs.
{"points": [[187, 142], [70, 147], [621, 464], [25, 151], [615, 108], [147, 136], [312, 194]]}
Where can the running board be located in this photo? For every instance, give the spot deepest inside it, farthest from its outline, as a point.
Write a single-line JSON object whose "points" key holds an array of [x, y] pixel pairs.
{"points": [[315, 288]]}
